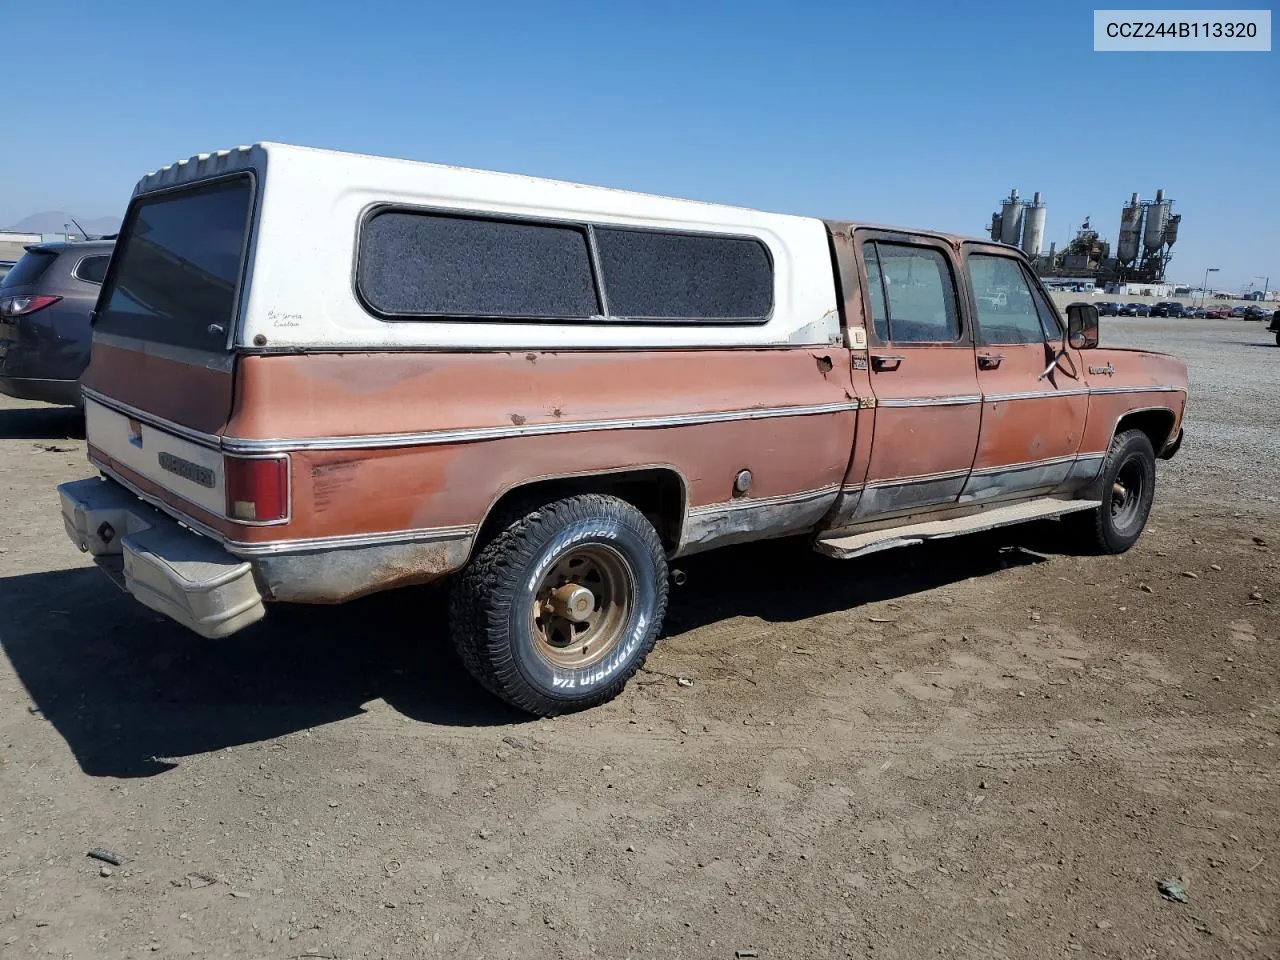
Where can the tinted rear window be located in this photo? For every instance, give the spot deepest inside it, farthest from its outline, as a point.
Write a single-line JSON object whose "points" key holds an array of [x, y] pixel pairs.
{"points": [[420, 264], [179, 261], [92, 269], [29, 269], [649, 274]]}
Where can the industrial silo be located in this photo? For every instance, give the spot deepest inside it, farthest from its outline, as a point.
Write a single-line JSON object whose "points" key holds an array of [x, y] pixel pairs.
{"points": [[1157, 217], [1130, 232], [1171, 230], [1011, 220], [1033, 227], [995, 227]]}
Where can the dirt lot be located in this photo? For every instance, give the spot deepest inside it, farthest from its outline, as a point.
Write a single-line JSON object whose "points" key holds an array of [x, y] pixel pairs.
{"points": [[985, 748]]}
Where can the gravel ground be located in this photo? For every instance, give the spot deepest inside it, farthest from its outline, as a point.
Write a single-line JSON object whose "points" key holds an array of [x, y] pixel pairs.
{"points": [[980, 748], [1234, 368]]}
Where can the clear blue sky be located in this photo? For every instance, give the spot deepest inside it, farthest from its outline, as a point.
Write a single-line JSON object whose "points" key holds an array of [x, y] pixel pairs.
{"points": [[921, 114]]}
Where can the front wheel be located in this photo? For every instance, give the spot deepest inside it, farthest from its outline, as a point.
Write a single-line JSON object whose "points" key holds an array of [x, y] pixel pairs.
{"points": [[559, 610], [1126, 486]]}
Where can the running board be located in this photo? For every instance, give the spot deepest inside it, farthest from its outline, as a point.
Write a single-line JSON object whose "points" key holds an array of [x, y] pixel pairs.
{"points": [[860, 544]]}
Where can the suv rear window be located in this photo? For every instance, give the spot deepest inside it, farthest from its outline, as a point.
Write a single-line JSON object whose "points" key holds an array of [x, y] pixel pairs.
{"points": [[179, 259], [29, 269], [92, 269]]}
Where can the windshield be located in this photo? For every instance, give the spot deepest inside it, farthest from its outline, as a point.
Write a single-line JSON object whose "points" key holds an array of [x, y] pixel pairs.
{"points": [[179, 259]]}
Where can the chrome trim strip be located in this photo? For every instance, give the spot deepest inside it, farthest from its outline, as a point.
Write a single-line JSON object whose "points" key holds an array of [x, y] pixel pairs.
{"points": [[1023, 465], [300, 545], [313, 544], [956, 401], [1034, 395], [923, 478], [1157, 388], [473, 434], [166, 508], [177, 429], [743, 503]]}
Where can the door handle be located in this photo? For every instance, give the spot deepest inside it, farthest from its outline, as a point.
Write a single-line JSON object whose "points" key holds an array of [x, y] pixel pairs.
{"points": [[989, 361], [886, 361]]}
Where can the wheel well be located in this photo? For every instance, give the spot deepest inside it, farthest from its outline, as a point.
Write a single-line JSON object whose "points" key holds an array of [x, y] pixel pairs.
{"points": [[657, 492], [1156, 424]]}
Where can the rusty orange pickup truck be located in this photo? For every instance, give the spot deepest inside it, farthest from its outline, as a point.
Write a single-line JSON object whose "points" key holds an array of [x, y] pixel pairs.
{"points": [[316, 375]]}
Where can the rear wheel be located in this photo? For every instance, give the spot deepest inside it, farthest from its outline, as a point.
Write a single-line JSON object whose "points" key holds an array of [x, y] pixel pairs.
{"points": [[1126, 486], [1278, 338], [559, 610]]}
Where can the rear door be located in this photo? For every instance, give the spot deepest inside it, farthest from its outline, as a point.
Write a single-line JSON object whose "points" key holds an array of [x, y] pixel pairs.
{"points": [[1033, 409], [921, 367], [167, 314]]}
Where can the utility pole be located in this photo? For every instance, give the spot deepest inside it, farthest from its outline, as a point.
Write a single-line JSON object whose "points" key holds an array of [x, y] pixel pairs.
{"points": [[1204, 287]]}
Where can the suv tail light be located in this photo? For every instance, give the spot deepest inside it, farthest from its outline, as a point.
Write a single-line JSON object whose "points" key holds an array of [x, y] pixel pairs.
{"points": [[21, 306], [257, 488]]}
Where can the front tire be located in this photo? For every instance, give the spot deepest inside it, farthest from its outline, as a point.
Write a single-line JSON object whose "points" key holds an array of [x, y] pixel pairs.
{"points": [[560, 609], [1126, 486]]}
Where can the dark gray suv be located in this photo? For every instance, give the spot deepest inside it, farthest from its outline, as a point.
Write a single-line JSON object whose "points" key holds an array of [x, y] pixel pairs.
{"points": [[44, 319]]}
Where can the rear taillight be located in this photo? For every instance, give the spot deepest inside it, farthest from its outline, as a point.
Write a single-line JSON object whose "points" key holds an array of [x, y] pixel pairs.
{"points": [[257, 488], [21, 306]]}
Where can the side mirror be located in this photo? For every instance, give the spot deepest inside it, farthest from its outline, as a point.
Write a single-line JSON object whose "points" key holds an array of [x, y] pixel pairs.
{"points": [[1082, 325]]}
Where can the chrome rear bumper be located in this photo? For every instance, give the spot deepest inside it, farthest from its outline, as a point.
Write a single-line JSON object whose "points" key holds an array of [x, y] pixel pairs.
{"points": [[188, 578]]}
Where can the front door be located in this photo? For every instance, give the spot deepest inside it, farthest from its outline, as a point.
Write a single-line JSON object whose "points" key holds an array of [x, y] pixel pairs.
{"points": [[921, 368], [1033, 408]]}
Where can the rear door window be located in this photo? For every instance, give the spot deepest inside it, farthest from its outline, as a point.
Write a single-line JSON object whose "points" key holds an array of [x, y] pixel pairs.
{"points": [[29, 269], [916, 291], [179, 260]]}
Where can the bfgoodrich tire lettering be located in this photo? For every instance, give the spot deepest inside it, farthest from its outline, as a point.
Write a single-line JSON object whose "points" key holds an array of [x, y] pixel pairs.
{"points": [[1126, 487], [508, 616]]}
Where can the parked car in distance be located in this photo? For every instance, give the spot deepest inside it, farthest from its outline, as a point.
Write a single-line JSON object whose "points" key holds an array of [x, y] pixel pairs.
{"points": [[550, 392], [1167, 308], [1108, 308], [1127, 310], [44, 319], [1195, 313], [1257, 313], [1217, 313], [1238, 312], [1141, 310]]}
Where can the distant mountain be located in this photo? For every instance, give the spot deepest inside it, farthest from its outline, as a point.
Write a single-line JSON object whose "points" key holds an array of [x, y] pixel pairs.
{"points": [[52, 221]]}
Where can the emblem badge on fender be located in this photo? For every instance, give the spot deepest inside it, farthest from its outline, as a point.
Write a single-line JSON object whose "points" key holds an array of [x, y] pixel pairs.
{"points": [[1108, 370]]}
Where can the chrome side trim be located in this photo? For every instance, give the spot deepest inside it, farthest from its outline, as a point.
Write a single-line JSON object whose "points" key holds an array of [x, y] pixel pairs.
{"points": [[300, 545], [1155, 388], [177, 429], [922, 478], [959, 400], [314, 544], [745, 503], [473, 434], [1035, 395], [1025, 465], [760, 518]]}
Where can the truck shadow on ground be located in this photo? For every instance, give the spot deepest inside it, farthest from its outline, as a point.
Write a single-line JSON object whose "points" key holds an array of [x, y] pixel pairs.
{"points": [[132, 693], [41, 423]]}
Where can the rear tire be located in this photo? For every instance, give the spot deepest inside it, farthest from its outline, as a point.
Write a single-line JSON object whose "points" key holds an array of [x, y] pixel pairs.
{"points": [[1126, 486], [1278, 338], [560, 609]]}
